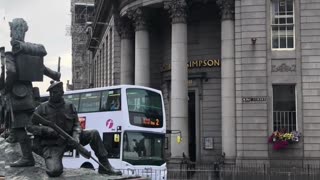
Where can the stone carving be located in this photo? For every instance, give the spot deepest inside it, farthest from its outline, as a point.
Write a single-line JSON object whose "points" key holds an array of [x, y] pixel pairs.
{"points": [[227, 8], [139, 16], [283, 68], [124, 28], [177, 10]]}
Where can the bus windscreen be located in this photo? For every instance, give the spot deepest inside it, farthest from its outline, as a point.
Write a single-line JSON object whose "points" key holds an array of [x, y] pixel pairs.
{"points": [[141, 148], [145, 108]]}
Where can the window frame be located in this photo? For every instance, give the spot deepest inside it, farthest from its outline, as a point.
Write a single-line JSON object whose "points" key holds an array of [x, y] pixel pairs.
{"points": [[295, 102], [107, 101], [80, 102], [272, 25]]}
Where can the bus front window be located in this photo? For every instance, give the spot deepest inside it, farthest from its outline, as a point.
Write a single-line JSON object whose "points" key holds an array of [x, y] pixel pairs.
{"points": [[145, 108], [140, 148]]}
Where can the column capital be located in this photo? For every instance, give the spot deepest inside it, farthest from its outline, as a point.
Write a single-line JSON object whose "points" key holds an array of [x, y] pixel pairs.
{"points": [[125, 29], [177, 10], [227, 9], [139, 16]]}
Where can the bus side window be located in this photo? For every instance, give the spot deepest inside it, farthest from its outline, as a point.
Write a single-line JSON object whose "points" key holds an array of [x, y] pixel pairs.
{"points": [[104, 100], [111, 100], [89, 102], [114, 104], [73, 98]]}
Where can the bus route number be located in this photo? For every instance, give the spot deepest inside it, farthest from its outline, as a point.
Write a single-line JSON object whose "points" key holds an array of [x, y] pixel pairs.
{"points": [[149, 122]]}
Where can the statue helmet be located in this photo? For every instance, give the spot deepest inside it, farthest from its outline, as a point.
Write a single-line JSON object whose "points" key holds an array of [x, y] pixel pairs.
{"points": [[55, 85]]}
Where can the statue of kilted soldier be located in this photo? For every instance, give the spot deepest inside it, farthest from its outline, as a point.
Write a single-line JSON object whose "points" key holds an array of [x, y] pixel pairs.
{"points": [[23, 65]]}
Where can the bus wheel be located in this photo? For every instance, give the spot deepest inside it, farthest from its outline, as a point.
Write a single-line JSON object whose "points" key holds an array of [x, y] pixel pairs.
{"points": [[87, 165]]}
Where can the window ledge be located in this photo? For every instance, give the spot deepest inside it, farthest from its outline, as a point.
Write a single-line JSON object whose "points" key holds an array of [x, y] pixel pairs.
{"points": [[283, 54]]}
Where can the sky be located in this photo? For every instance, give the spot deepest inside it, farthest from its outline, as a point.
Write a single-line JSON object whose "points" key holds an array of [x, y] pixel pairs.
{"points": [[48, 21]]}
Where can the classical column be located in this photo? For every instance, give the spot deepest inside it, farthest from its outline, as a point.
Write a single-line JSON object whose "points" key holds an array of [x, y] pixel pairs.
{"points": [[179, 76], [228, 79], [127, 51], [142, 48]]}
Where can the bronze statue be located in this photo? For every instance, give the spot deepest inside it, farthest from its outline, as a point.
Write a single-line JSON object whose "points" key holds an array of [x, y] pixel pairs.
{"points": [[51, 146], [17, 87]]}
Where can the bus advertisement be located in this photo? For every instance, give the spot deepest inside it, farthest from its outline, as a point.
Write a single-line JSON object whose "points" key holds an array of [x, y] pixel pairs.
{"points": [[132, 124]]}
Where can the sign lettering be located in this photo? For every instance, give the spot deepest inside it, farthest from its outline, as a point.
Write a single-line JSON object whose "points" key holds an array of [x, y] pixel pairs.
{"points": [[254, 99], [196, 64]]}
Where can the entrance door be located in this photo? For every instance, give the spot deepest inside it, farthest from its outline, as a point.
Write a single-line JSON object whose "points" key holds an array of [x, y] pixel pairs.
{"points": [[192, 125]]}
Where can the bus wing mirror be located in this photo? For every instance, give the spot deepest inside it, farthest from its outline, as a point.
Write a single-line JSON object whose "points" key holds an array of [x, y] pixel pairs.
{"points": [[116, 138]]}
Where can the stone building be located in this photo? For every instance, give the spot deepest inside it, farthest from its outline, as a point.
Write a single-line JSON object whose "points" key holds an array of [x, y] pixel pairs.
{"points": [[231, 71], [81, 11]]}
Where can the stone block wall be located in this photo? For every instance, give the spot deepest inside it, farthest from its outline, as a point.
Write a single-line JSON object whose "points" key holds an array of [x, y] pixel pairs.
{"points": [[251, 78]]}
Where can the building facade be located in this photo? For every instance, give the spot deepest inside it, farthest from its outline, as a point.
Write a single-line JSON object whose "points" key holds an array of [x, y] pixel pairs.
{"points": [[81, 12], [231, 71]]}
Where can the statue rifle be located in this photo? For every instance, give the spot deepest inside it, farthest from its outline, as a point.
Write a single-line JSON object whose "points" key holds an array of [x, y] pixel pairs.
{"points": [[83, 151]]}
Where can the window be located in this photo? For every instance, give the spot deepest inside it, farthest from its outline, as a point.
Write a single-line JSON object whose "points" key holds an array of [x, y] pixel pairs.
{"points": [[145, 108], [284, 108], [111, 100], [89, 102], [73, 98], [282, 24], [142, 148]]}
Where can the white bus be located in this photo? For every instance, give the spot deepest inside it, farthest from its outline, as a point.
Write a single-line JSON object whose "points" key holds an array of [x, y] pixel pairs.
{"points": [[131, 121]]}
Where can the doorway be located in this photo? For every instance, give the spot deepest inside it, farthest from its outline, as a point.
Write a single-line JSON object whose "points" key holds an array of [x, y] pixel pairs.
{"points": [[192, 125]]}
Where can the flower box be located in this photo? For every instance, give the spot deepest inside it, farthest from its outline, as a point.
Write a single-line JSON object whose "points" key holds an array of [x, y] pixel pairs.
{"points": [[282, 139]]}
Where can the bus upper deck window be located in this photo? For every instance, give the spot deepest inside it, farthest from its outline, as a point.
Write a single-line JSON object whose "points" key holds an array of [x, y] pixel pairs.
{"points": [[89, 102], [111, 100]]}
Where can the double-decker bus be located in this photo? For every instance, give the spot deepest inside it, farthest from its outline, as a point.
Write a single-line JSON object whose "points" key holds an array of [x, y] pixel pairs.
{"points": [[131, 121]]}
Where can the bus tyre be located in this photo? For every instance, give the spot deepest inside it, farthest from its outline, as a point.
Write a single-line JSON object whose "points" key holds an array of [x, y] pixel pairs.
{"points": [[87, 165]]}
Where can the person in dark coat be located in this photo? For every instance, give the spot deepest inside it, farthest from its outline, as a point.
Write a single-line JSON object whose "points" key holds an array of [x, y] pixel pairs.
{"points": [[49, 145]]}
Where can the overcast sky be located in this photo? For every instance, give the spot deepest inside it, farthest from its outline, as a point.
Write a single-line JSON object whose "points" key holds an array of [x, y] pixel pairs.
{"points": [[48, 21]]}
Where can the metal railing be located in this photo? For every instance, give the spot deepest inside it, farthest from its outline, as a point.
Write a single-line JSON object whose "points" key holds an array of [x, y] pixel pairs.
{"points": [[284, 120], [245, 172], [208, 171]]}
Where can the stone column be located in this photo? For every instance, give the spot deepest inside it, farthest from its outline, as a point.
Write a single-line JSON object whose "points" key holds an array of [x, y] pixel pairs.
{"points": [[127, 52], [179, 76], [228, 102], [142, 48]]}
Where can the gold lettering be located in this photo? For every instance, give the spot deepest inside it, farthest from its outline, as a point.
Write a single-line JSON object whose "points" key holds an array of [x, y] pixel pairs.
{"points": [[205, 63], [166, 67], [216, 62], [194, 63], [210, 63], [200, 63]]}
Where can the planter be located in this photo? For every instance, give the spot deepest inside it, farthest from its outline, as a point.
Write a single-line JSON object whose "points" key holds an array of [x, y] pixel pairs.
{"points": [[281, 139]]}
